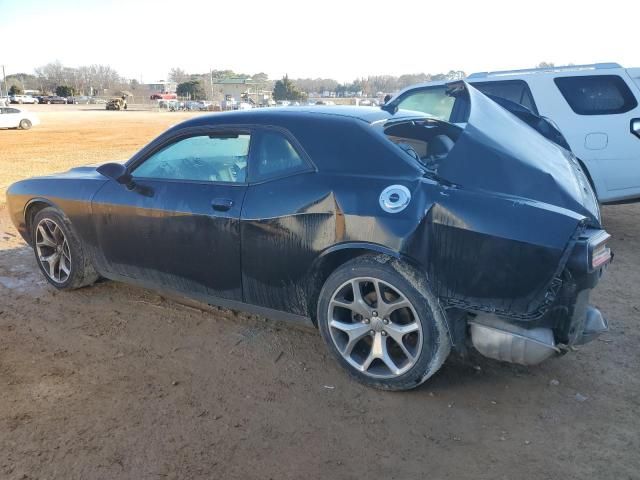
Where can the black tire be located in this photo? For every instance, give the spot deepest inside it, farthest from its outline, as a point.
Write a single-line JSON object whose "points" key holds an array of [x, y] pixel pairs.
{"points": [[435, 345], [82, 272], [25, 124]]}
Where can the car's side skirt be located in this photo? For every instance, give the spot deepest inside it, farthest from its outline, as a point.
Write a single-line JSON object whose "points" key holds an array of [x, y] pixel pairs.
{"points": [[219, 302]]}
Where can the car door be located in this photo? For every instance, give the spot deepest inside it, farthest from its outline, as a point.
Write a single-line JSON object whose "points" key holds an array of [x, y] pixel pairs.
{"points": [[9, 117], [178, 228], [285, 219]]}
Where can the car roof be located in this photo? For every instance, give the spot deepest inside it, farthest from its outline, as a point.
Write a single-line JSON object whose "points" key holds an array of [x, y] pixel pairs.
{"points": [[368, 115]]}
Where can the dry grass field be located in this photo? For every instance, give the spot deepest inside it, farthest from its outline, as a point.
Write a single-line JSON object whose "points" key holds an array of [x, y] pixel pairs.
{"points": [[114, 382], [70, 135]]}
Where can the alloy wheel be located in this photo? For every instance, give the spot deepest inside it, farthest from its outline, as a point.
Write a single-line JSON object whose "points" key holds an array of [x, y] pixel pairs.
{"points": [[375, 327], [53, 250]]}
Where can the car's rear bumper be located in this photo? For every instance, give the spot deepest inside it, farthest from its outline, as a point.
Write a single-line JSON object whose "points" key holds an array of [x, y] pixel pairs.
{"points": [[569, 320], [583, 322]]}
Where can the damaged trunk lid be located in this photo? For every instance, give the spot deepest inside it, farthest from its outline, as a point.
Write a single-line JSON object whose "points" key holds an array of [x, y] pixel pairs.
{"points": [[498, 152]]}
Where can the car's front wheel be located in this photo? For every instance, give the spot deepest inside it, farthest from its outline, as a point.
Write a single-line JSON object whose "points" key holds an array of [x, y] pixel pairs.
{"points": [[382, 323], [59, 253], [25, 124]]}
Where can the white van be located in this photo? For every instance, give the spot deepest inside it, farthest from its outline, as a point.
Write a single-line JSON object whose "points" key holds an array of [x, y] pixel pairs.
{"points": [[596, 107]]}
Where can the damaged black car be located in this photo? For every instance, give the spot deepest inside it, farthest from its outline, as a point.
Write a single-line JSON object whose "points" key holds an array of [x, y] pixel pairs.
{"points": [[399, 236]]}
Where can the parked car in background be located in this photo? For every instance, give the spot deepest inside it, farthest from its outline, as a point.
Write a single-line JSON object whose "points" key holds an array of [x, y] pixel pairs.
{"points": [[54, 99], [229, 104], [79, 99], [398, 235], [20, 99], [194, 105], [96, 100], [596, 107], [11, 117]]}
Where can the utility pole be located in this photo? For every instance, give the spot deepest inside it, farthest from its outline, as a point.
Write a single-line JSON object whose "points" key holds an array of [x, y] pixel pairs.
{"points": [[211, 81], [4, 76]]}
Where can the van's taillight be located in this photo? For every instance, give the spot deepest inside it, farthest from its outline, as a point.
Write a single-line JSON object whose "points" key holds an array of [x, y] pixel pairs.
{"points": [[635, 127], [600, 255]]}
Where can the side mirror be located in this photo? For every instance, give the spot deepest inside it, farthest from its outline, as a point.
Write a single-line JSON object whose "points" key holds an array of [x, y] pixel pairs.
{"points": [[115, 171], [635, 127], [118, 172]]}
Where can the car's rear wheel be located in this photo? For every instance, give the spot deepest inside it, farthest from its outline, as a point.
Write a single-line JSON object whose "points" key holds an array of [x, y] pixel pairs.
{"points": [[59, 253], [25, 124], [382, 323]]}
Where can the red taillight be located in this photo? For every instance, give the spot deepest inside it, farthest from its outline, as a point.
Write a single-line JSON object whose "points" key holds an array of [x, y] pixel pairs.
{"points": [[600, 255]]}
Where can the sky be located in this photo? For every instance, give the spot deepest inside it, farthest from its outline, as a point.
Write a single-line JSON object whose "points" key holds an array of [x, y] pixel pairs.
{"points": [[336, 39]]}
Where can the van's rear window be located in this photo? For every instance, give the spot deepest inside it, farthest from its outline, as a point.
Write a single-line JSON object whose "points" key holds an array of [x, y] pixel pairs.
{"points": [[596, 94]]}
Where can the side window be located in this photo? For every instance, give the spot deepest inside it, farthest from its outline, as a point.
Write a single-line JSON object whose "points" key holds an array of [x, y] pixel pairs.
{"points": [[211, 158], [514, 90], [274, 156], [596, 94], [433, 101]]}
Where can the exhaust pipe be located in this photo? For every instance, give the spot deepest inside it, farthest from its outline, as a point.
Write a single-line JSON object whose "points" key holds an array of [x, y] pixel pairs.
{"points": [[497, 339]]}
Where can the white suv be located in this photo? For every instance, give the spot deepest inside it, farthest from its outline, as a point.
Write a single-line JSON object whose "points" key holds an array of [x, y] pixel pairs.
{"points": [[596, 107], [23, 99]]}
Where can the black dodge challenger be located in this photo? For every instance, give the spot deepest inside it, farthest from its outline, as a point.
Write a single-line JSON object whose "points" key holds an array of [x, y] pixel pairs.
{"points": [[398, 235]]}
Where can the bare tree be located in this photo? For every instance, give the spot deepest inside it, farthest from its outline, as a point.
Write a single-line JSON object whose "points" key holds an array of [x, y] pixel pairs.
{"points": [[86, 79], [178, 75]]}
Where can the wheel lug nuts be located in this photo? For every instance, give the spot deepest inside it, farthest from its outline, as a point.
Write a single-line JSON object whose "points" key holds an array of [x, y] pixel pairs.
{"points": [[374, 313], [385, 321], [384, 334], [366, 320], [371, 332]]}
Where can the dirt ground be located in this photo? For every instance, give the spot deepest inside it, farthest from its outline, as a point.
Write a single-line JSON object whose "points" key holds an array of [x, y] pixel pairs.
{"points": [[114, 382]]}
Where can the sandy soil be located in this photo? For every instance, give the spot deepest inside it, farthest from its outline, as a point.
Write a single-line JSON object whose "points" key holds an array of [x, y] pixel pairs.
{"points": [[114, 382]]}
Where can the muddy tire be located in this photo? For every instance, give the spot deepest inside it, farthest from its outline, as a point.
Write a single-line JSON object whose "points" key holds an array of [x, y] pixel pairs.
{"points": [[25, 124], [59, 253], [382, 323]]}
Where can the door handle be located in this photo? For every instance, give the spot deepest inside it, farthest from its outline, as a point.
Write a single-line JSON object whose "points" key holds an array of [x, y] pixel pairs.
{"points": [[221, 204]]}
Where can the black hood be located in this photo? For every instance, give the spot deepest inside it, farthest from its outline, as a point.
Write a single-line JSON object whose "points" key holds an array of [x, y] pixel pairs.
{"points": [[496, 151]]}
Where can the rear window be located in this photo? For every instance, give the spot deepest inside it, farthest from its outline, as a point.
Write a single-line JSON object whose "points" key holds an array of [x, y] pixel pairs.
{"points": [[596, 94], [432, 100], [514, 90]]}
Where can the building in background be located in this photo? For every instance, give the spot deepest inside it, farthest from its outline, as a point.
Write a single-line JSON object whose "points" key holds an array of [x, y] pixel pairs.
{"points": [[160, 86], [240, 89]]}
